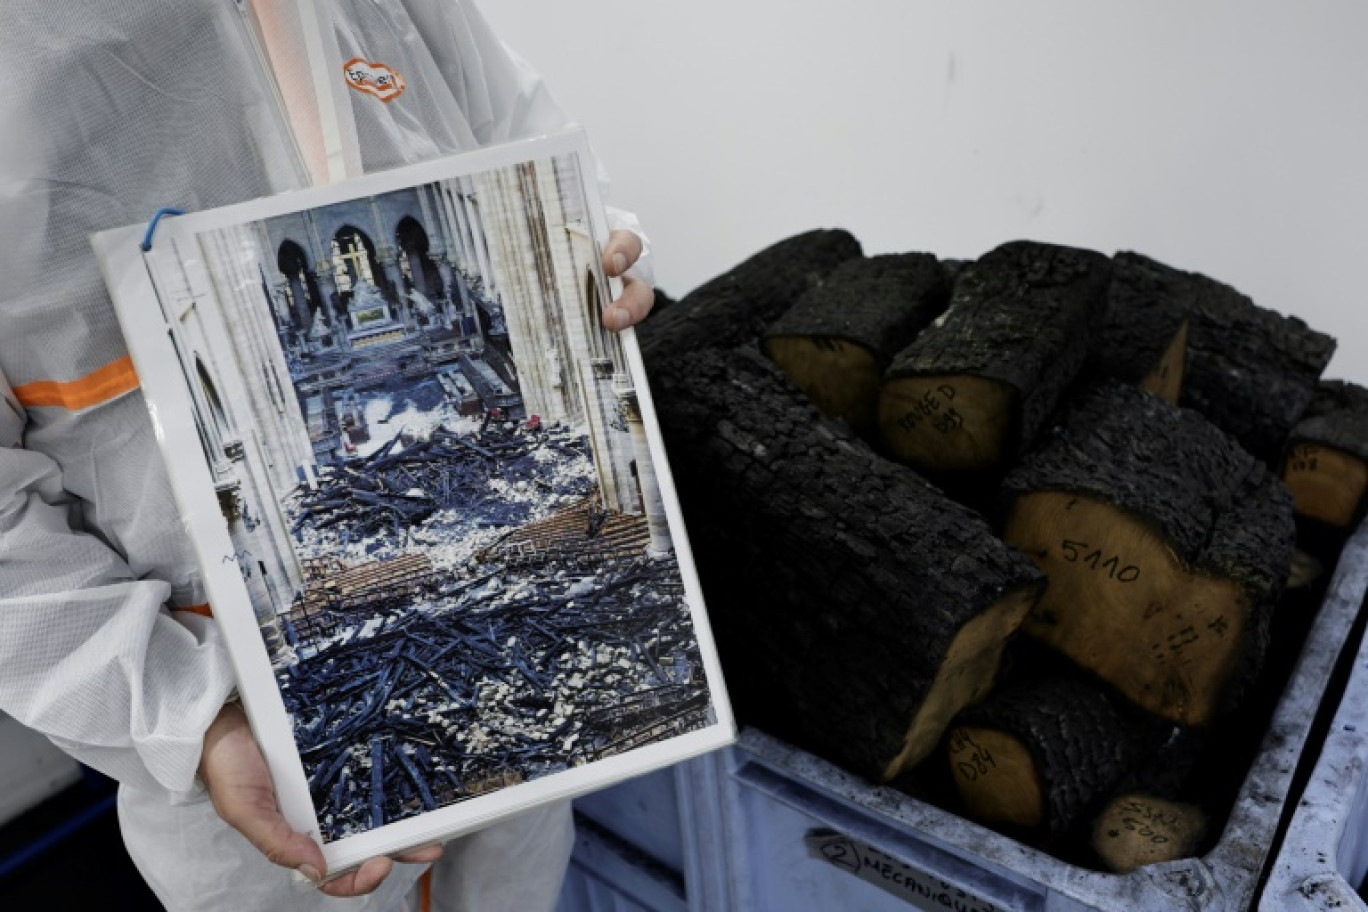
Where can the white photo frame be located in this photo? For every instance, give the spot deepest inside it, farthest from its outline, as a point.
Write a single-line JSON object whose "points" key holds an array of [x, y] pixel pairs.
{"points": [[221, 324]]}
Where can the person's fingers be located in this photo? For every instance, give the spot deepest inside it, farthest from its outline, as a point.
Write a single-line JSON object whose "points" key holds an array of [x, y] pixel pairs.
{"points": [[273, 837], [239, 784], [422, 855], [623, 249], [637, 299], [361, 881]]}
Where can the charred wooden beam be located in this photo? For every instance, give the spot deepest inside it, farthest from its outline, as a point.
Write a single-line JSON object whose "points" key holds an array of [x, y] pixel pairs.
{"points": [[973, 389], [858, 608], [1151, 815], [1038, 756], [735, 307], [1250, 370], [840, 337], [1326, 466], [1143, 340], [1166, 545]]}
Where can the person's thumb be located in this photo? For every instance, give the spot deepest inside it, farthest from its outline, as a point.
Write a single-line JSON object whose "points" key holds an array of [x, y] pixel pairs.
{"points": [[255, 816], [239, 784]]}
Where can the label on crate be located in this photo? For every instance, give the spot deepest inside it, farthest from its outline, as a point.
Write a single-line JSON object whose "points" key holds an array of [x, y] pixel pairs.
{"points": [[923, 890]]}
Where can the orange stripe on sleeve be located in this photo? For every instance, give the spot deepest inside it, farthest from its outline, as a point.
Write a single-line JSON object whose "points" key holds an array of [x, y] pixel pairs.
{"points": [[204, 610], [102, 385]]}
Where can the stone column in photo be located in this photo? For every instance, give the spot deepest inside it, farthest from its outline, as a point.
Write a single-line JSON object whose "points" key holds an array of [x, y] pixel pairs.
{"points": [[656, 519], [389, 262], [447, 302], [331, 306], [300, 298]]}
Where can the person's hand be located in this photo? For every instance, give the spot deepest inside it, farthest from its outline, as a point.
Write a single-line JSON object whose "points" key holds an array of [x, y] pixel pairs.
{"points": [[239, 783], [624, 249]]}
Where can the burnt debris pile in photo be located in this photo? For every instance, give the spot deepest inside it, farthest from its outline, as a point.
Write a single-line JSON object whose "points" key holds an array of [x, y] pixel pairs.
{"points": [[522, 672], [406, 481]]}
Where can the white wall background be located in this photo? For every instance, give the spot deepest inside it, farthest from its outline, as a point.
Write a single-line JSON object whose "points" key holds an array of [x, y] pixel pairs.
{"points": [[1225, 136]]}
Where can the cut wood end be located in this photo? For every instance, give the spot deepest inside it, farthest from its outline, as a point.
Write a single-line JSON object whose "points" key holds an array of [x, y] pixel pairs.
{"points": [[965, 676], [949, 423], [839, 376], [996, 776], [1327, 484], [1121, 603], [1165, 380], [1136, 829], [1305, 570]]}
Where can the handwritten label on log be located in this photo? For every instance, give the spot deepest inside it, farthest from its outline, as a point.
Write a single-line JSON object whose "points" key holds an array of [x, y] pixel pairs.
{"points": [[1304, 458], [1077, 552], [924, 891], [933, 408], [971, 759], [1149, 823]]}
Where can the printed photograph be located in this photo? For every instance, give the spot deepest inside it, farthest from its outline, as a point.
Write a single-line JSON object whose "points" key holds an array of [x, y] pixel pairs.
{"points": [[433, 467]]}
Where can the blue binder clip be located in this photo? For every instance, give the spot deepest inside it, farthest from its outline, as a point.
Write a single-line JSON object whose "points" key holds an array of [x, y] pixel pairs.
{"points": [[152, 225]]}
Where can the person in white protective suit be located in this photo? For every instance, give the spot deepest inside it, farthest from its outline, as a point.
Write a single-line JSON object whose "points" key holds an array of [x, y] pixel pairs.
{"points": [[114, 109]]}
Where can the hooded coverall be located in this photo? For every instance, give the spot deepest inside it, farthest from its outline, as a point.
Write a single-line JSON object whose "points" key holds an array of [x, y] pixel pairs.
{"points": [[113, 109]]}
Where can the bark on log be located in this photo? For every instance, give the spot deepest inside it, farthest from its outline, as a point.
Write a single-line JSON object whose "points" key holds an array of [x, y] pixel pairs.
{"points": [[974, 388], [1327, 456], [1166, 545], [838, 340], [735, 307], [857, 608], [1250, 370], [1143, 340], [1039, 755]]}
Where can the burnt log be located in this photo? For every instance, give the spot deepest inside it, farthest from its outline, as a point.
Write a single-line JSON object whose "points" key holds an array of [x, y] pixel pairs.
{"points": [[1039, 756], [1166, 546], [857, 608], [735, 307], [840, 337], [1326, 467], [1137, 828], [1143, 340], [1250, 370], [973, 389], [1151, 816]]}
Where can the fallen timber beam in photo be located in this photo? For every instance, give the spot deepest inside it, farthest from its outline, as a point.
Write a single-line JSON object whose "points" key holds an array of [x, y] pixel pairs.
{"points": [[1166, 546], [1143, 340], [1038, 756], [736, 306], [1326, 466], [857, 608], [973, 389], [836, 342], [404, 483]]}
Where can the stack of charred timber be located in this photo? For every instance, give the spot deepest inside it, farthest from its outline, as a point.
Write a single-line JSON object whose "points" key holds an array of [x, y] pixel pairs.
{"points": [[1122, 422]]}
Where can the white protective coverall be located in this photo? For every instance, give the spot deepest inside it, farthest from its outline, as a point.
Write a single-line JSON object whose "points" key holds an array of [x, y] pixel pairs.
{"points": [[113, 109]]}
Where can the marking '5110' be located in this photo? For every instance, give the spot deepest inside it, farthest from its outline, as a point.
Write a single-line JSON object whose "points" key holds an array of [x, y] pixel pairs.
{"points": [[1076, 552]]}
